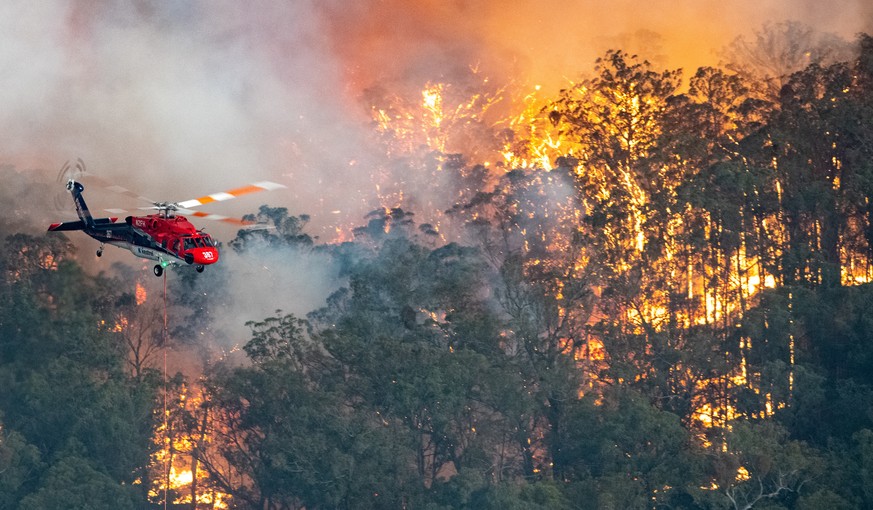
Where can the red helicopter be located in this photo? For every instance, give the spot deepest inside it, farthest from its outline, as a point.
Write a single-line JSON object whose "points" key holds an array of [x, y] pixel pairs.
{"points": [[166, 237]]}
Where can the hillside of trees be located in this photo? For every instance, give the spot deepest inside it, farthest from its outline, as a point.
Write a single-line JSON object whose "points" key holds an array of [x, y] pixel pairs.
{"points": [[674, 314]]}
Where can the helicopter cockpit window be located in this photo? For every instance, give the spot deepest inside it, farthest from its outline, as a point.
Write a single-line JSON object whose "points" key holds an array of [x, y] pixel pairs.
{"points": [[208, 241], [189, 243]]}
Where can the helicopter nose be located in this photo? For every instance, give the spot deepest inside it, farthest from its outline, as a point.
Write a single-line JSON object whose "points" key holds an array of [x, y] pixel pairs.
{"points": [[205, 256]]}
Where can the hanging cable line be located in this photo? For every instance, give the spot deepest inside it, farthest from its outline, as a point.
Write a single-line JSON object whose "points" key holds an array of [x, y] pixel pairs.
{"points": [[165, 340]]}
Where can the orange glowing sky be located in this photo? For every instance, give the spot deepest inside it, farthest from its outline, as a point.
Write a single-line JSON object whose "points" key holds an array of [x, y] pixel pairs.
{"points": [[550, 41]]}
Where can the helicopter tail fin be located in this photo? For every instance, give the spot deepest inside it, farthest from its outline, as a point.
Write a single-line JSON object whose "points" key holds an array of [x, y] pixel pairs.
{"points": [[82, 210], [86, 221]]}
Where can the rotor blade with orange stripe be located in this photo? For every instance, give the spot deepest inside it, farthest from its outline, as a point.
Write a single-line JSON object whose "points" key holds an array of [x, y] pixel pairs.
{"points": [[215, 217], [227, 195]]}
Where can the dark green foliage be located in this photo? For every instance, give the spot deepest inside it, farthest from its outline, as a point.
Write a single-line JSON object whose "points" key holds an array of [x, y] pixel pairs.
{"points": [[536, 496], [20, 466], [73, 483], [628, 450], [77, 428], [292, 440], [273, 228]]}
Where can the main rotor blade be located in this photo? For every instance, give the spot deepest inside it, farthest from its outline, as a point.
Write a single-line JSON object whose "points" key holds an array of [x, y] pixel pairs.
{"points": [[227, 195], [80, 174], [89, 178], [214, 217]]}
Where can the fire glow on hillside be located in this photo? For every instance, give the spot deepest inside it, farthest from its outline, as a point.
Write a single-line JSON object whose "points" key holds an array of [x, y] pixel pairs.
{"points": [[615, 190], [438, 133]]}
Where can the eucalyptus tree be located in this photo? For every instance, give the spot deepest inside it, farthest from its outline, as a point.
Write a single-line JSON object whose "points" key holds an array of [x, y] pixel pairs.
{"points": [[66, 392]]}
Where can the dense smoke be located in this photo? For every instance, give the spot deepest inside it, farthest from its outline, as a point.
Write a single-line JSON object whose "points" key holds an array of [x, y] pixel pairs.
{"points": [[176, 100]]}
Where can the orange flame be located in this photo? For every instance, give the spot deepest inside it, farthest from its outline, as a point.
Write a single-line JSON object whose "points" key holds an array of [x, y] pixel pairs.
{"points": [[141, 294]]}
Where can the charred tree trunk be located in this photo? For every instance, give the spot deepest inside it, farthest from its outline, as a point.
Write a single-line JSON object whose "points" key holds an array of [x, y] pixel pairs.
{"points": [[831, 271]]}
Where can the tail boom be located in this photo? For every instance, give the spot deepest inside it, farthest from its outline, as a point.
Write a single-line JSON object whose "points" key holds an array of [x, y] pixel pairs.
{"points": [[79, 225]]}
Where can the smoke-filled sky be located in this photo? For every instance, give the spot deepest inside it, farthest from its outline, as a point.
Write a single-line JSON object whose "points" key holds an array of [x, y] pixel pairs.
{"points": [[179, 99]]}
